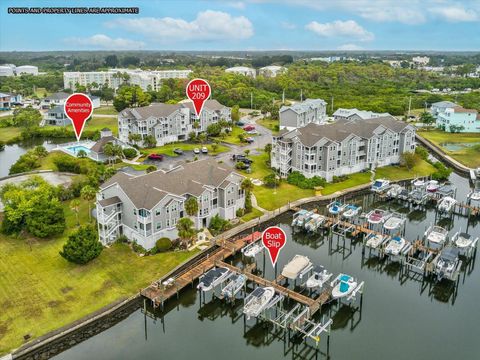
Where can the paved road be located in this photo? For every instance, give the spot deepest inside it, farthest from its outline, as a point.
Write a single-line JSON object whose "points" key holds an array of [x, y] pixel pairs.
{"points": [[51, 177]]}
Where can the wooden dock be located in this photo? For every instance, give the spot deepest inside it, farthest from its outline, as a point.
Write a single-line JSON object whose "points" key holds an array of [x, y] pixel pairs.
{"points": [[157, 292]]}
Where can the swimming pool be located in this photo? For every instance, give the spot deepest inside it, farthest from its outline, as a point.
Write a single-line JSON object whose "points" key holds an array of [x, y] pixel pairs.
{"points": [[77, 148]]}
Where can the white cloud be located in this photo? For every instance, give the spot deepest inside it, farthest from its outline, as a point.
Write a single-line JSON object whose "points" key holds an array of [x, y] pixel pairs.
{"points": [[350, 47], [101, 41], [287, 25], [455, 13], [209, 25], [339, 28], [239, 5]]}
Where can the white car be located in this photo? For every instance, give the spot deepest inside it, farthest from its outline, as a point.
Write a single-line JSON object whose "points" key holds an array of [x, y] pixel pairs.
{"points": [[204, 150], [196, 151]]}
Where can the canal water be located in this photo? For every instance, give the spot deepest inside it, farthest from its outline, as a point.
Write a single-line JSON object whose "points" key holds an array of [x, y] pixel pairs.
{"points": [[399, 318], [12, 152]]}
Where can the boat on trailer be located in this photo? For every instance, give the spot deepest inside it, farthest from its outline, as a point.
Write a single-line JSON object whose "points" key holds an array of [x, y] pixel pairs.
{"points": [[234, 286], [316, 220], [436, 236], [380, 185], [374, 240], [447, 263], [351, 211], [319, 277], [343, 285], [257, 301], [396, 246], [377, 216], [336, 208], [298, 265], [394, 191], [301, 217], [446, 205], [212, 278], [432, 186]]}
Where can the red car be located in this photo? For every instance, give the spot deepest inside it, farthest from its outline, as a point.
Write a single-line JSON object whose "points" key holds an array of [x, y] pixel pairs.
{"points": [[249, 127], [155, 157]]}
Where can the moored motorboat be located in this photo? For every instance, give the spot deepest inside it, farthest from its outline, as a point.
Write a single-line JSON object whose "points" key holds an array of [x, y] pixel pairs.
{"points": [[436, 236], [351, 211], [380, 185], [212, 278], [252, 250], [395, 221], [377, 216], [446, 205], [316, 220], [233, 287], [433, 186], [343, 285], [301, 217], [297, 265], [394, 191], [257, 301], [463, 240], [474, 195], [336, 208], [418, 183], [447, 263], [396, 245], [318, 278], [374, 240]]}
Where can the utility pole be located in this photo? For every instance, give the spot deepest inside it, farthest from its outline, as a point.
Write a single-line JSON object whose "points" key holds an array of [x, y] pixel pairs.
{"points": [[332, 104], [283, 97], [301, 94], [409, 105], [251, 100]]}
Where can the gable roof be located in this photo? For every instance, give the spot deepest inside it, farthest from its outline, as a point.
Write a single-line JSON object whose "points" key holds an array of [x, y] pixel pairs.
{"points": [[58, 96], [145, 191], [304, 106], [98, 146], [364, 114], [444, 104]]}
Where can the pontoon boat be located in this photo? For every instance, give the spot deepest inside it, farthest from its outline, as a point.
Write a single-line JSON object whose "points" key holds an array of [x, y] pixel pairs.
{"points": [[319, 277], [380, 185], [257, 301], [297, 265], [212, 278], [474, 195], [446, 205], [418, 183], [351, 211], [343, 285]]}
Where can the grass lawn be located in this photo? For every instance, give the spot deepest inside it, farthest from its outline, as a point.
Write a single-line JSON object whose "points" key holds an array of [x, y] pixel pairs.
{"points": [[232, 138], [259, 167], [269, 124], [468, 156], [271, 199], [47, 163], [98, 123], [105, 110], [168, 149], [353, 180], [8, 133], [255, 213], [423, 168], [40, 291], [41, 92]]}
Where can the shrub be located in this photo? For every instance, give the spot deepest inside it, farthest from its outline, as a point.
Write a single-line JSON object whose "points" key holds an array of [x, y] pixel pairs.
{"points": [[2, 145], [163, 244], [409, 160], [337, 179], [46, 219], [129, 153], [271, 180], [218, 225], [442, 172], [298, 179], [82, 246], [214, 129], [151, 168], [240, 212], [422, 152]]}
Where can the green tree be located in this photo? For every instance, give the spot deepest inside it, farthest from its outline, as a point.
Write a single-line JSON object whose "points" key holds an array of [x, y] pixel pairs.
{"points": [[82, 154], [46, 219], [202, 137], [163, 244], [149, 141], [134, 138], [186, 231], [82, 246], [75, 206], [409, 160], [27, 117], [214, 146], [88, 193], [235, 113], [131, 96], [191, 206], [111, 61], [247, 186], [427, 118]]}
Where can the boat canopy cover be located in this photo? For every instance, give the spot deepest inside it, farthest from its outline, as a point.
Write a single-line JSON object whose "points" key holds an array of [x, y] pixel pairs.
{"points": [[343, 286], [344, 277], [465, 236], [449, 254], [293, 268]]}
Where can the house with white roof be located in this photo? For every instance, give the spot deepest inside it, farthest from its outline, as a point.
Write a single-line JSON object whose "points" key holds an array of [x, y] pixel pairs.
{"points": [[271, 70], [355, 114], [242, 70], [303, 113]]}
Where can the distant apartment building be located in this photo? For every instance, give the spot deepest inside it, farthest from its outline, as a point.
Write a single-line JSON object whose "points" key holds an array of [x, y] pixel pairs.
{"points": [[301, 114], [342, 148], [12, 70], [355, 114], [271, 70], [420, 60], [450, 116], [169, 122], [242, 70], [5, 101], [113, 78], [146, 208]]}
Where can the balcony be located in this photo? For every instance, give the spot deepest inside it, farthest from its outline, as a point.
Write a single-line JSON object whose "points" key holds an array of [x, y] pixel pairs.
{"points": [[144, 219]]}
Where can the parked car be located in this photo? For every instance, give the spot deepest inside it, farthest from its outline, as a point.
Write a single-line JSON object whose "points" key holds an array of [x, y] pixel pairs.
{"points": [[249, 139], [155, 157], [240, 123], [204, 150], [252, 132], [241, 158], [249, 127], [178, 151], [196, 151]]}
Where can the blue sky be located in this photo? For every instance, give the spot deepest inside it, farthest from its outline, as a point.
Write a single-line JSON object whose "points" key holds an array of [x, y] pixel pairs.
{"points": [[248, 25]]}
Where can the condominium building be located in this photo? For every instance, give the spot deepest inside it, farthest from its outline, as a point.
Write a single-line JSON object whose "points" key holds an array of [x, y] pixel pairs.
{"points": [[271, 70], [146, 208], [457, 119], [169, 122], [113, 78], [303, 113], [343, 147], [12, 70], [355, 114], [242, 70]]}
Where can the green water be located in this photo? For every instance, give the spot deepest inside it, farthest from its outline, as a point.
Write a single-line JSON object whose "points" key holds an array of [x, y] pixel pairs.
{"points": [[399, 318]]}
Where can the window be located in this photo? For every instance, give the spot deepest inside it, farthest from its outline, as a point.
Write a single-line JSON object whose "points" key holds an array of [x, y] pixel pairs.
{"points": [[159, 225], [157, 212], [134, 211]]}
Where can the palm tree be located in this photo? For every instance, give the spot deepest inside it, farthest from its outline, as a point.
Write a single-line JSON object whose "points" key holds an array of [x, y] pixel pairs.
{"points": [[88, 193], [135, 138], [191, 206], [185, 229], [75, 206], [108, 151]]}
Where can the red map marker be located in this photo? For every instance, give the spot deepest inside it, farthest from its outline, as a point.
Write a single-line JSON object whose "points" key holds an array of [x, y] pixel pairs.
{"points": [[198, 90], [274, 239], [78, 108]]}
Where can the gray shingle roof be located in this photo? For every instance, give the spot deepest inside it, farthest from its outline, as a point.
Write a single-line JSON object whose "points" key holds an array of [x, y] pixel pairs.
{"points": [[58, 96], [310, 134], [147, 190], [110, 201], [444, 104], [304, 106]]}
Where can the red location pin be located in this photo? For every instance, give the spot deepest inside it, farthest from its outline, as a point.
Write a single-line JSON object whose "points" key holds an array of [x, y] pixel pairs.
{"points": [[78, 108], [198, 90], [274, 239]]}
